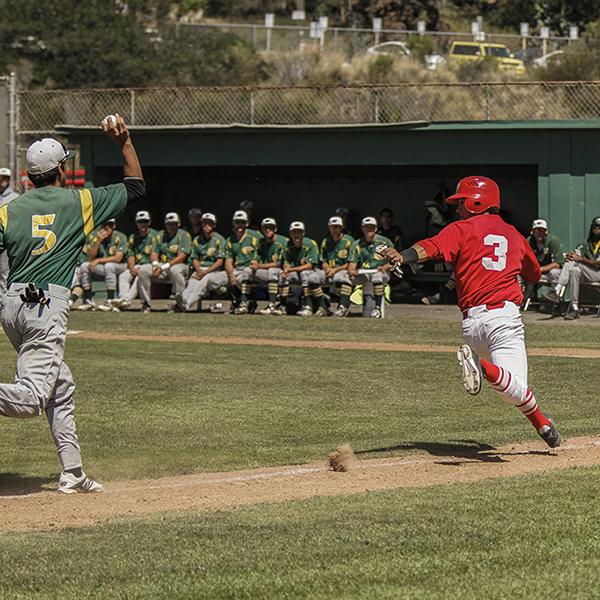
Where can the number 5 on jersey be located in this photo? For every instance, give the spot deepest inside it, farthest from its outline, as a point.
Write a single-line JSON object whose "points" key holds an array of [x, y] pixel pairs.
{"points": [[500, 245], [49, 237]]}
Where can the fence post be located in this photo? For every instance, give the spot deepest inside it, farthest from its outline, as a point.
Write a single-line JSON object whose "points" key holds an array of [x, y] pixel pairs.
{"points": [[252, 108], [12, 127], [375, 93], [132, 106], [254, 37], [487, 101]]}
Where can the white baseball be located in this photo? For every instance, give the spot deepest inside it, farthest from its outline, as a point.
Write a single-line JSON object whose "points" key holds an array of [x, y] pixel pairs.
{"points": [[110, 121]]}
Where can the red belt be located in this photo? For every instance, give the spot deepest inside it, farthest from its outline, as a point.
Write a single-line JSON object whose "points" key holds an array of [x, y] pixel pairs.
{"points": [[488, 306]]}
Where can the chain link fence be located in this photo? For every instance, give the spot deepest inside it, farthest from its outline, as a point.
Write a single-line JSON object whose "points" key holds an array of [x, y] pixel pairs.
{"points": [[41, 111]]}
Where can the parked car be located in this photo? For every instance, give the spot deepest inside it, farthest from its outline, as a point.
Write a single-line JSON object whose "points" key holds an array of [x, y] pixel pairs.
{"points": [[552, 58], [465, 52], [401, 50]]}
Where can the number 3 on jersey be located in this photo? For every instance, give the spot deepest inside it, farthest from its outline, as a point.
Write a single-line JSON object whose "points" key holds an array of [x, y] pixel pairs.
{"points": [[49, 237], [500, 245]]}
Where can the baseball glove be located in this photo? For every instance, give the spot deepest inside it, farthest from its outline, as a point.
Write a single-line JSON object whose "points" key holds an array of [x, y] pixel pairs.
{"points": [[396, 268]]}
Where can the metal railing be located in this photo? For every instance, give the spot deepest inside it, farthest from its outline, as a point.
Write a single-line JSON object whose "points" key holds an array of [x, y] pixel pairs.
{"points": [[8, 124], [40, 111]]}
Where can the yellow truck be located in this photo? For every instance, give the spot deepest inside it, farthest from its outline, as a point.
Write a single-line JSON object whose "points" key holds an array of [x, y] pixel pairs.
{"points": [[465, 52]]}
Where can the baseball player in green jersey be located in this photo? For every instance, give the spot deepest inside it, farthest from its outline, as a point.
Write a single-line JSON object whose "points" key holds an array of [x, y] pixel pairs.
{"points": [[43, 234], [335, 252], [549, 254], [241, 249], [300, 258], [106, 248], [140, 246], [367, 268], [581, 265], [267, 267], [208, 256], [168, 260]]}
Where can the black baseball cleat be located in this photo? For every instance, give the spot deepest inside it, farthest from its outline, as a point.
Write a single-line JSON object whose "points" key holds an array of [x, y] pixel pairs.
{"points": [[550, 434], [471, 369]]}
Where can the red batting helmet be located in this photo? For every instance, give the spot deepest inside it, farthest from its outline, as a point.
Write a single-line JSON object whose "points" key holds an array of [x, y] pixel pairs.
{"points": [[479, 194]]}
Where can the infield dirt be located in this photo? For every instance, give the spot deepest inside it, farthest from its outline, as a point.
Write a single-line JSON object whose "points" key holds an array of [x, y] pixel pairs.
{"points": [[25, 510]]}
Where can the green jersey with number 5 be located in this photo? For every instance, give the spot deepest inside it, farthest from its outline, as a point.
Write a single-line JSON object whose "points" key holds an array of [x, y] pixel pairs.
{"points": [[44, 231]]}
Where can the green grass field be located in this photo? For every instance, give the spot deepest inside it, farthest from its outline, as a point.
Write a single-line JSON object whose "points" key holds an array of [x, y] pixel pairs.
{"points": [[148, 410], [520, 538]]}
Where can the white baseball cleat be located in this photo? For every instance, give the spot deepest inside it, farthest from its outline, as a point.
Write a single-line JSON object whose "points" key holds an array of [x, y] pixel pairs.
{"points": [[268, 310], [119, 303], [108, 307], [69, 484], [87, 305], [471, 369]]}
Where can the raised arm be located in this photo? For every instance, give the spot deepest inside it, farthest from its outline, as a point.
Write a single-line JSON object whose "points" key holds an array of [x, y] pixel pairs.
{"points": [[133, 177]]}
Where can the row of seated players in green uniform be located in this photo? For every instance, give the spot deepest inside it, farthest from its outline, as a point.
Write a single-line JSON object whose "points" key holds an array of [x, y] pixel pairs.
{"points": [[246, 259]]}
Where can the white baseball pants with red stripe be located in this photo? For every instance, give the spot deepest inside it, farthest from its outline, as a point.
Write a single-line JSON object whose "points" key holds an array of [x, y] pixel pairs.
{"points": [[497, 335]]}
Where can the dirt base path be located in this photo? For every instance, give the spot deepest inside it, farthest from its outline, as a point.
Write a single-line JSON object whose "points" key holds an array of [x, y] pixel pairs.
{"points": [[320, 344], [47, 510]]}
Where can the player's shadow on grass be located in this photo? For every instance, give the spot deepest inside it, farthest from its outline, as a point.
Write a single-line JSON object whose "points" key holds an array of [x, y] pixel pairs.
{"points": [[454, 449], [13, 484]]}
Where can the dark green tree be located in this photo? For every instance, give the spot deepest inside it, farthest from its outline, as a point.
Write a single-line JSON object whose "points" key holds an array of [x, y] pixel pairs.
{"points": [[108, 43], [95, 43], [247, 8], [402, 14], [556, 14]]}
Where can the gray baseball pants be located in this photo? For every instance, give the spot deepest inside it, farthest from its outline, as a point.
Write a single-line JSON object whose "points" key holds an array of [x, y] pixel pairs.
{"points": [[43, 381], [552, 278], [265, 276], [197, 289], [318, 278], [243, 274], [296, 278], [377, 277], [107, 271], [128, 285], [368, 279], [176, 275], [574, 274]]}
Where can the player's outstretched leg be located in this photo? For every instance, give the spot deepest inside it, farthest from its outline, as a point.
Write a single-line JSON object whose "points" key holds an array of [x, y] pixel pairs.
{"points": [[514, 392]]}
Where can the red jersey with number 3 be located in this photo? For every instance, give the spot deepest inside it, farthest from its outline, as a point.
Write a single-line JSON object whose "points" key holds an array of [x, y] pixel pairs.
{"points": [[487, 255]]}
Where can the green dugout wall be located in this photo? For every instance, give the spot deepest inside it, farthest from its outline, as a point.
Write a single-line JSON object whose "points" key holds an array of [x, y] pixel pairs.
{"points": [[549, 169]]}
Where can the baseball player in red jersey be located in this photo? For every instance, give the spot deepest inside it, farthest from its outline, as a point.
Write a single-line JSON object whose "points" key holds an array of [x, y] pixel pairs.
{"points": [[488, 255]]}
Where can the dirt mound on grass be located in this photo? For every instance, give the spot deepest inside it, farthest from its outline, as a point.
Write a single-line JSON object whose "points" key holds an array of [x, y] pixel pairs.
{"points": [[32, 508]]}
